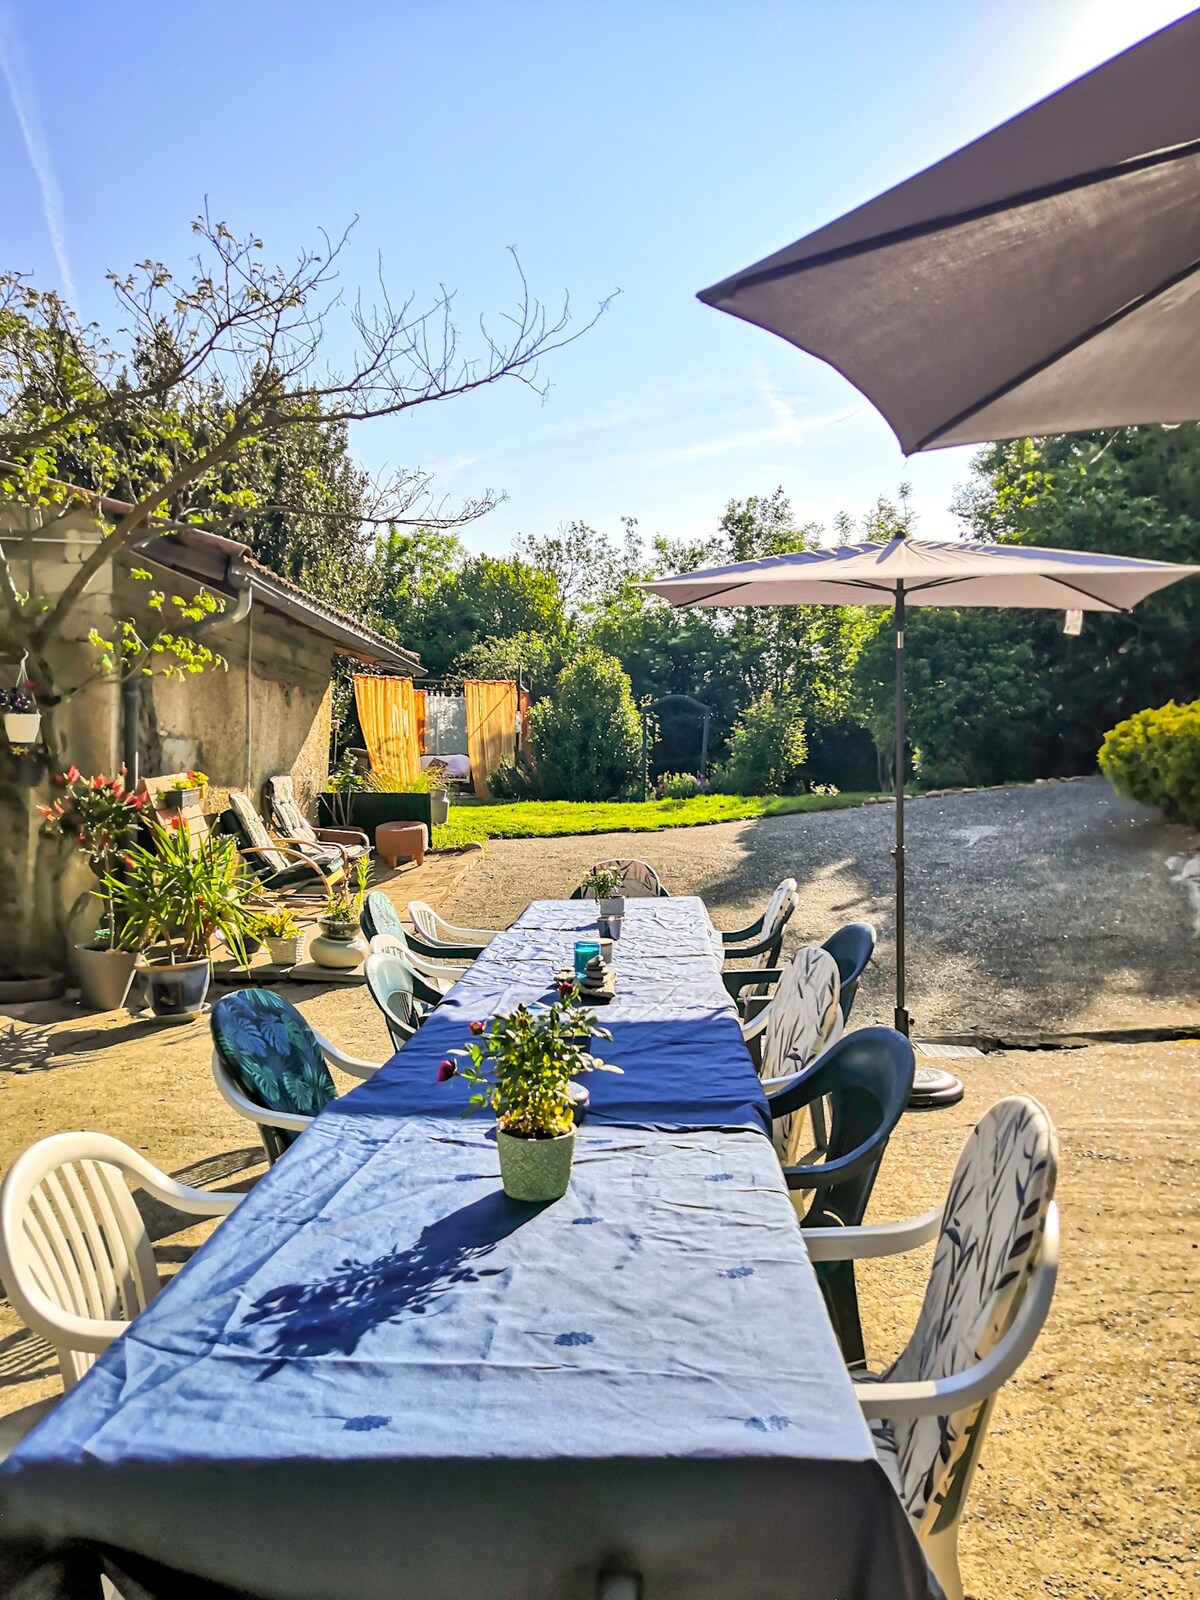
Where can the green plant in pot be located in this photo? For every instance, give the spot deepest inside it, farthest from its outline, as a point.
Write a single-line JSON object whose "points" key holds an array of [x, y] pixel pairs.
{"points": [[524, 1065], [100, 816], [339, 945], [174, 899], [601, 885], [283, 935]]}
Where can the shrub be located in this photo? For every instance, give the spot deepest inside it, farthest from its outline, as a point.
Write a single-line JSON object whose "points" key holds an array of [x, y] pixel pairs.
{"points": [[587, 737], [680, 786], [513, 780], [1154, 757], [766, 748]]}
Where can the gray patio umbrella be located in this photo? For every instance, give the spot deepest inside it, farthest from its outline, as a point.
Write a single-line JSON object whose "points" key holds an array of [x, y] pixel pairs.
{"points": [[924, 572], [1044, 279]]}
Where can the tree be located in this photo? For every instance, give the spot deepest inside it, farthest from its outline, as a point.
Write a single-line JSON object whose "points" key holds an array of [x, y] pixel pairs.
{"points": [[766, 748], [586, 567], [587, 737], [482, 597], [214, 370]]}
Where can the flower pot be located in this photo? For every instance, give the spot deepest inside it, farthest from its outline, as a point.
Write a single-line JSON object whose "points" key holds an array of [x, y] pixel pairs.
{"points": [[612, 906], [535, 1169], [338, 945], [286, 952], [176, 993], [439, 808], [22, 727], [104, 975]]}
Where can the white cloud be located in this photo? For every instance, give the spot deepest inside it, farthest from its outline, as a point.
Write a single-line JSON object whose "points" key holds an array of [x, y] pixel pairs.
{"points": [[21, 91]]}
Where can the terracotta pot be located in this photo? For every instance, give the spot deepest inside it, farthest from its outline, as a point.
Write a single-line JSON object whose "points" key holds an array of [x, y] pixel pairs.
{"points": [[104, 975], [176, 993], [535, 1169]]}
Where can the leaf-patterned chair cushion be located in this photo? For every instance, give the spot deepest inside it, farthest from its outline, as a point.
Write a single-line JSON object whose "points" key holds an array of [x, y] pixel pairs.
{"points": [[803, 1020], [271, 1054], [379, 915], [991, 1231]]}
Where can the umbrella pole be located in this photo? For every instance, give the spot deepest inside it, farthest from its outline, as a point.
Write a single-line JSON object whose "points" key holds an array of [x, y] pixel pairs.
{"points": [[902, 1017]]}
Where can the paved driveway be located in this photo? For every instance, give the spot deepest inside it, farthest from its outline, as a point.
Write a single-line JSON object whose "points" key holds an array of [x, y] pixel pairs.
{"points": [[1043, 908]]}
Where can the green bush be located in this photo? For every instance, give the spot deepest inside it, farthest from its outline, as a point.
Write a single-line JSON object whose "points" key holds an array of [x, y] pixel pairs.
{"points": [[587, 737], [512, 780], [766, 748], [680, 786], [1154, 757]]}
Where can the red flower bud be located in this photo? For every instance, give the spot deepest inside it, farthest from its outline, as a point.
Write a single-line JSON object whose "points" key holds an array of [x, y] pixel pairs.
{"points": [[475, 1027], [446, 1069]]}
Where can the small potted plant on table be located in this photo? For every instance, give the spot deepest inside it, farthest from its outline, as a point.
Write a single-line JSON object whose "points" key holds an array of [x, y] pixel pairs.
{"points": [[601, 885], [523, 1066], [175, 899], [101, 816]]}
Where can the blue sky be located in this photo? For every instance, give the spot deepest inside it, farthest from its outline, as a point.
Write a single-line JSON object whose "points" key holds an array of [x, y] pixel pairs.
{"points": [[653, 147]]}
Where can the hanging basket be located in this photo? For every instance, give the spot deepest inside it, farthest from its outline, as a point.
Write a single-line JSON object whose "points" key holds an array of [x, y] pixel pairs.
{"points": [[23, 727]]}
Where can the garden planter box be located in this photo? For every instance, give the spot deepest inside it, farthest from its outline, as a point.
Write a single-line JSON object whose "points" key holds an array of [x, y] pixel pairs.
{"points": [[367, 811]]}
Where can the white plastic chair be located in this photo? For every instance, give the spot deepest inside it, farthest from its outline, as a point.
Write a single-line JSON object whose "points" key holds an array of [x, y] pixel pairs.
{"points": [[268, 1121], [798, 1023], [75, 1256], [988, 1296], [762, 939], [438, 973], [436, 930]]}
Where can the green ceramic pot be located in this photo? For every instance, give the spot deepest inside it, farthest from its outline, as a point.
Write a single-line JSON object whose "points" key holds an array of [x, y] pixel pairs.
{"points": [[535, 1169]]}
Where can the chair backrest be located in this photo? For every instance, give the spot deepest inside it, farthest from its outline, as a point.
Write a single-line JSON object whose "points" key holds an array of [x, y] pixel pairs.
{"points": [[425, 921], [867, 1076], [390, 981], [780, 909], [379, 915], [72, 1242], [991, 1234], [638, 880], [852, 948], [802, 1013], [285, 808], [271, 1054], [254, 832]]}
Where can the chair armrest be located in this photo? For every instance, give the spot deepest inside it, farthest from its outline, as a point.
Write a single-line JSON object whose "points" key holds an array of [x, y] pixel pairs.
{"points": [[758, 948], [444, 952], [735, 982], [342, 836], [354, 1065], [878, 1239], [740, 935], [941, 1396], [199, 1202], [828, 1172]]}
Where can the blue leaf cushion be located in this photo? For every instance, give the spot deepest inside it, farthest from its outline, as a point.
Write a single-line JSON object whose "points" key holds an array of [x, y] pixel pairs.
{"points": [[271, 1053]]}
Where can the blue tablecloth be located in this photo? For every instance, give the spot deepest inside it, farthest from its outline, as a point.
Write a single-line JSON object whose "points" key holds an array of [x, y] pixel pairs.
{"points": [[675, 1030], [381, 1377]]}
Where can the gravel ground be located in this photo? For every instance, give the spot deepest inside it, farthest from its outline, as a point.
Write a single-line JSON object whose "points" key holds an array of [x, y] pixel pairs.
{"points": [[1033, 908]]}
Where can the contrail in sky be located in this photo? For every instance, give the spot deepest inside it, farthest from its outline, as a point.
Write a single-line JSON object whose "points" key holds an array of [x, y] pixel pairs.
{"points": [[24, 102]]}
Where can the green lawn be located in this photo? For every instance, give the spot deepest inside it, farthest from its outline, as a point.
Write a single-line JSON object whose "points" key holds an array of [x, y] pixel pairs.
{"points": [[541, 819]]}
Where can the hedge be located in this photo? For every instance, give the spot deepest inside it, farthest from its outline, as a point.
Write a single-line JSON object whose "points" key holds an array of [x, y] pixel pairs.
{"points": [[1154, 757]]}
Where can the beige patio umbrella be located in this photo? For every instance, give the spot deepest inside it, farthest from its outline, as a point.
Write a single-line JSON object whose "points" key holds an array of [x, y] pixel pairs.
{"points": [[924, 572], [1043, 279]]}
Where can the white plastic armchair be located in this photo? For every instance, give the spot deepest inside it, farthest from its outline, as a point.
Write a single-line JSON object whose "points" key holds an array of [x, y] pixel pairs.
{"points": [[438, 973], [798, 1023], [75, 1257], [288, 1121], [436, 930], [990, 1291]]}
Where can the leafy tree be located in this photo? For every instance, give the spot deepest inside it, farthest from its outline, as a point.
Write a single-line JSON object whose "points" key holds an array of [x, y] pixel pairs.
{"points": [[587, 737], [535, 658], [484, 597], [767, 748], [586, 567]]}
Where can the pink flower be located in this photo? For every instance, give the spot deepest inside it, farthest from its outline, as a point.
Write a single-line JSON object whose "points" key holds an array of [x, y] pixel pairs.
{"points": [[73, 774], [565, 987], [475, 1027], [446, 1069]]}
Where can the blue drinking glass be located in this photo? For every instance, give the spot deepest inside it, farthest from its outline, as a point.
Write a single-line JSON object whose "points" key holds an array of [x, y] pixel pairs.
{"points": [[584, 951]]}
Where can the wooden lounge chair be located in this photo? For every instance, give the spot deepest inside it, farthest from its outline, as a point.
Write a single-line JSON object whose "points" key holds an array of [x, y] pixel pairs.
{"points": [[279, 864], [323, 845]]}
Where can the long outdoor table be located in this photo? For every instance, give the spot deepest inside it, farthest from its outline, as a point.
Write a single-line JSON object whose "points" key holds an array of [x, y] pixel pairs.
{"points": [[381, 1377], [675, 1029]]}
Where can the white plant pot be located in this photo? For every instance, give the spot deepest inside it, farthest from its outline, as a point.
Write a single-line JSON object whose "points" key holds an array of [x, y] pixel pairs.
{"points": [[439, 808], [104, 976], [22, 727], [612, 906]]}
